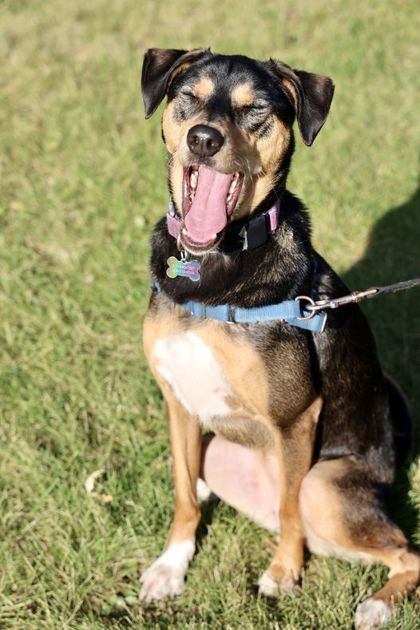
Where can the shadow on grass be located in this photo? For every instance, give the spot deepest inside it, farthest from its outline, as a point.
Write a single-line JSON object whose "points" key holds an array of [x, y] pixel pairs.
{"points": [[393, 254], [207, 512]]}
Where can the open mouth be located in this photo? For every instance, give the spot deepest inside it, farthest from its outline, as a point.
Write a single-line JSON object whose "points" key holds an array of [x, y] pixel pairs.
{"points": [[209, 200]]}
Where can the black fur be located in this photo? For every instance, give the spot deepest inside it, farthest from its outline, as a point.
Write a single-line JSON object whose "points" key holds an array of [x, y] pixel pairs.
{"points": [[356, 417], [158, 67]]}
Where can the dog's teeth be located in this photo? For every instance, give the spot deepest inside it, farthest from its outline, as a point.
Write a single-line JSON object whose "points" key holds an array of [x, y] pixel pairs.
{"points": [[194, 179], [234, 183]]}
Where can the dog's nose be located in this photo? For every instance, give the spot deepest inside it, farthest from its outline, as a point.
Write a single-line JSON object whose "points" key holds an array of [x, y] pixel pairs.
{"points": [[204, 141]]}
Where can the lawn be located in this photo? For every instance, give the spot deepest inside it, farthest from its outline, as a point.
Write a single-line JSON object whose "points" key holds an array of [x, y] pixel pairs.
{"points": [[82, 183]]}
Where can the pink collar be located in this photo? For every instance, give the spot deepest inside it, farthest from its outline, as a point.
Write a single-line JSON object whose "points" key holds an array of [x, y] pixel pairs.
{"points": [[251, 232]]}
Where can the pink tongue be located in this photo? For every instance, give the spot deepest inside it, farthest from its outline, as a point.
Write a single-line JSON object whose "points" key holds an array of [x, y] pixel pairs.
{"points": [[207, 215]]}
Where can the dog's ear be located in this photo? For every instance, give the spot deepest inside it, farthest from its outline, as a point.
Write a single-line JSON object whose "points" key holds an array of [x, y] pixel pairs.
{"points": [[311, 96], [160, 65]]}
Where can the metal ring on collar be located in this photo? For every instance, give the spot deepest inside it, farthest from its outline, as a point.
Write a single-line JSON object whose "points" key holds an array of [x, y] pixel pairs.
{"points": [[309, 300]]}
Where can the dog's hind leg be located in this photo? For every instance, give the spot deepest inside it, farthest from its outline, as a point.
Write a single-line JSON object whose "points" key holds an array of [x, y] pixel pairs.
{"points": [[166, 575], [343, 516]]}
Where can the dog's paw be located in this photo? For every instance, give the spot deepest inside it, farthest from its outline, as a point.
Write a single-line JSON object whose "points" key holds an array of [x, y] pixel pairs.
{"points": [[372, 614], [166, 576], [271, 587], [204, 494], [161, 580]]}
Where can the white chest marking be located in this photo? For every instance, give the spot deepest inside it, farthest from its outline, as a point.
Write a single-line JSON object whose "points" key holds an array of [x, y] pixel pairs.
{"points": [[194, 375]]}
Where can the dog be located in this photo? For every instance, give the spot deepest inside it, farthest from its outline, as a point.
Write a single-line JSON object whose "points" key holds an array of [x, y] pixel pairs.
{"points": [[286, 416]]}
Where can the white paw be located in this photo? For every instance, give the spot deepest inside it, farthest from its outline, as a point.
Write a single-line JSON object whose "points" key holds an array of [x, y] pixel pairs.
{"points": [[270, 587], [203, 492], [267, 586], [166, 576], [161, 580], [372, 613]]}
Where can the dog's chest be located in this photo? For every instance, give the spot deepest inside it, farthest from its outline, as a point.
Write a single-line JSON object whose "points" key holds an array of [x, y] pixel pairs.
{"points": [[222, 377], [195, 375]]}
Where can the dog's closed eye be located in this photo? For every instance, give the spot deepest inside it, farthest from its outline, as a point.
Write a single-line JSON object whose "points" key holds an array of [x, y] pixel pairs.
{"points": [[189, 94], [253, 107], [252, 111], [245, 109]]}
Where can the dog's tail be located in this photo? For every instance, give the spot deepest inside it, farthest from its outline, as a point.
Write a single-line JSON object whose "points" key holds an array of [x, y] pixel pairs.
{"points": [[402, 420]]}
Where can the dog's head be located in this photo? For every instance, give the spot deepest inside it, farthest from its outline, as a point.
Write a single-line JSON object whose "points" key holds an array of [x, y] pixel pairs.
{"points": [[228, 130]]}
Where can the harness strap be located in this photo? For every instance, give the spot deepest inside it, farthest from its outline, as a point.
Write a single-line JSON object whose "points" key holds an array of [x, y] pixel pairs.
{"points": [[288, 312], [302, 312]]}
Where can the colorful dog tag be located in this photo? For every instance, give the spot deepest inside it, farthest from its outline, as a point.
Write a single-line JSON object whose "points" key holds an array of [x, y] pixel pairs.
{"points": [[183, 268]]}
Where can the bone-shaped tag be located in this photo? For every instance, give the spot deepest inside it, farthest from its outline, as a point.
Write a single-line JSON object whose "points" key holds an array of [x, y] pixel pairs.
{"points": [[184, 268]]}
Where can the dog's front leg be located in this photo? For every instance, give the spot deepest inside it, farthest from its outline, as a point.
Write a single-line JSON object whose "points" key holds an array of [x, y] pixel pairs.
{"points": [[167, 574], [294, 449]]}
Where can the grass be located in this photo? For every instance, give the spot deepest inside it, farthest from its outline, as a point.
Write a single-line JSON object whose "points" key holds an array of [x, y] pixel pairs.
{"points": [[83, 181]]}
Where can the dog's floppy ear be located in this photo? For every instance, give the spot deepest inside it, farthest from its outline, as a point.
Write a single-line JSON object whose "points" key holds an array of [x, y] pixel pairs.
{"points": [[159, 68], [311, 96]]}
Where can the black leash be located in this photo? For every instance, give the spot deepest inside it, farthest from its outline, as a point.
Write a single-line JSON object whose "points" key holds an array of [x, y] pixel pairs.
{"points": [[356, 296]]}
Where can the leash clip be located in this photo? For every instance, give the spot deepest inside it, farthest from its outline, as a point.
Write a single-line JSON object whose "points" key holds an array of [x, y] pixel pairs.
{"points": [[311, 309], [313, 306]]}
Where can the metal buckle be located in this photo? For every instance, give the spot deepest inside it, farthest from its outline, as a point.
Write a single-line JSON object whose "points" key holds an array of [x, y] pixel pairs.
{"points": [[183, 253], [305, 298]]}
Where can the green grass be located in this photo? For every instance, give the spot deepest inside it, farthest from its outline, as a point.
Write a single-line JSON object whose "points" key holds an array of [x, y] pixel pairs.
{"points": [[82, 182]]}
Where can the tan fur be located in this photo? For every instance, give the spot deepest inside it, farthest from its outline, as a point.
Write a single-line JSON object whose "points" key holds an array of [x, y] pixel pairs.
{"points": [[178, 70], [270, 151], [175, 138], [290, 87], [256, 158], [245, 371], [294, 451], [172, 130], [312, 503], [242, 365], [247, 376], [322, 506], [192, 54], [203, 88], [265, 152], [243, 95], [404, 571], [185, 436], [244, 431]]}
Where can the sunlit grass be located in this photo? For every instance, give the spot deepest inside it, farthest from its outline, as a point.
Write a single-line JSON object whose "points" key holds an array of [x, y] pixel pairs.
{"points": [[82, 182]]}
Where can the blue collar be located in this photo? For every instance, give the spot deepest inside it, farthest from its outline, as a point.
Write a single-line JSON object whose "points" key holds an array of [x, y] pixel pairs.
{"points": [[290, 312]]}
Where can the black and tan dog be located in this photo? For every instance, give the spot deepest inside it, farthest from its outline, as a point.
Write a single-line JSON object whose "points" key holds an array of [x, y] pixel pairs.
{"points": [[299, 423]]}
